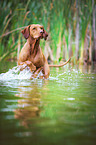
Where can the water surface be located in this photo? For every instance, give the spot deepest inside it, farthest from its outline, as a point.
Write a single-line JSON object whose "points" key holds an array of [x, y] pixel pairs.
{"points": [[60, 110]]}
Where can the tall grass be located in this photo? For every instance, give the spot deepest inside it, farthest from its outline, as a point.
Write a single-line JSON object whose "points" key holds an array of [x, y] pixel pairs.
{"points": [[67, 21]]}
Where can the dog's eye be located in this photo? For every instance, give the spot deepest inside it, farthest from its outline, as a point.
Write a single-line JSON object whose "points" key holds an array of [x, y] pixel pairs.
{"points": [[34, 28], [41, 28]]}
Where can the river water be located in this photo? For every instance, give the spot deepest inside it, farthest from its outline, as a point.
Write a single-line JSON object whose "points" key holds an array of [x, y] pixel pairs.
{"points": [[60, 110]]}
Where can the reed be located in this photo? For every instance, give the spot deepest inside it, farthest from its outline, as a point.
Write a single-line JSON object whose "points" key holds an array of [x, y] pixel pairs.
{"points": [[68, 22]]}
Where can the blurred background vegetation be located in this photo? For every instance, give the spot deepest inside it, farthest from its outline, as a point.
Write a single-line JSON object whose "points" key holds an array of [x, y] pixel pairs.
{"points": [[71, 25]]}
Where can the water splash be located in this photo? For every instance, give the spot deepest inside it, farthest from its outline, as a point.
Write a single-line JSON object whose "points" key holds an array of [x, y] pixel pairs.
{"points": [[15, 77], [15, 73]]}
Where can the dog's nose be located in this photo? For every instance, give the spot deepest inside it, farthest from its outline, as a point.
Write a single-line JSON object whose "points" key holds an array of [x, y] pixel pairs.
{"points": [[41, 31]]}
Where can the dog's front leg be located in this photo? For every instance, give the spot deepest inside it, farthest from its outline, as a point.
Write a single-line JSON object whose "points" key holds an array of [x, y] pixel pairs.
{"points": [[23, 65], [35, 73]]}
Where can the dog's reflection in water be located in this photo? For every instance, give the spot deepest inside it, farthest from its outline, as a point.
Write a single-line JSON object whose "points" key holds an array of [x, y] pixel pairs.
{"points": [[29, 105]]}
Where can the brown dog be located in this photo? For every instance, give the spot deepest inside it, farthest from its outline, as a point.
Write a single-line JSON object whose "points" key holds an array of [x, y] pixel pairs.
{"points": [[31, 54]]}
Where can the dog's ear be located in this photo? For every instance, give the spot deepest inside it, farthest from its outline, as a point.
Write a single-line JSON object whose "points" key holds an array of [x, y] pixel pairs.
{"points": [[26, 32], [45, 35]]}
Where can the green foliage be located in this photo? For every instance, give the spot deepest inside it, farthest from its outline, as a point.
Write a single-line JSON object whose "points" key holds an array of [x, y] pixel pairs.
{"points": [[1, 49]]}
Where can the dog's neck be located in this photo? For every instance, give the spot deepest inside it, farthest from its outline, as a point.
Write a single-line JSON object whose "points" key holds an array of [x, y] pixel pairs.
{"points": [[34, 45]]}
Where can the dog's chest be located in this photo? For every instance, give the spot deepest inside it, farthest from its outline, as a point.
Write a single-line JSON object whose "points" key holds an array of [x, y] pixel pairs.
{"points": [[37, 60]]}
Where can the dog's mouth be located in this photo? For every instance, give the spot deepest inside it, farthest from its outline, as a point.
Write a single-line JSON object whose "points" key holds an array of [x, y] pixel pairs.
{"points": [[41, 35]]}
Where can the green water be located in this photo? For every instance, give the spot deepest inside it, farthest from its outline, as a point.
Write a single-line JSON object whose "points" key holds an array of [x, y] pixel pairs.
{"points": [[60, 110]]}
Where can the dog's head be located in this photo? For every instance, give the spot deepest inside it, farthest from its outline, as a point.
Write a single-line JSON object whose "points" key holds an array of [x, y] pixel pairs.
{"points": [[35, 31]]}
